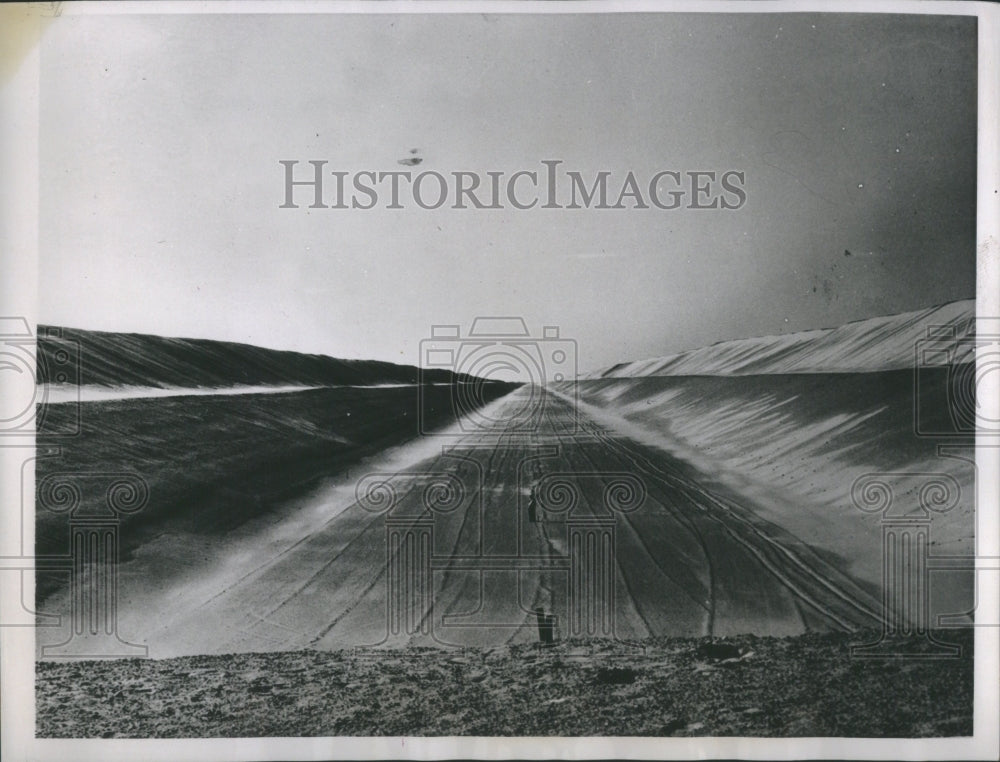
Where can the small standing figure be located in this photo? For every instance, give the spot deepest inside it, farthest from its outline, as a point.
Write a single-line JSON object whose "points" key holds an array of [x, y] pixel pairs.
{"points": [[532, 507], [546, 626]]}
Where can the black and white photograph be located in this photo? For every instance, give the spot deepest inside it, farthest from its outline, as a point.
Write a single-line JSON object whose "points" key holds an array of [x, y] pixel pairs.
{"points": [[504, 379]]}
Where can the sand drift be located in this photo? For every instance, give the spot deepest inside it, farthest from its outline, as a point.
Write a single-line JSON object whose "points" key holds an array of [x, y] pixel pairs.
{"points": [[441, 543]]}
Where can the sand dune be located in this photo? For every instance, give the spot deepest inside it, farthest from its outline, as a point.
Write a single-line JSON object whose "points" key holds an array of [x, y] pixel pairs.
{"points": [[793, 447], [793, 423], [882, 343], [87, 358], [322, 519]]}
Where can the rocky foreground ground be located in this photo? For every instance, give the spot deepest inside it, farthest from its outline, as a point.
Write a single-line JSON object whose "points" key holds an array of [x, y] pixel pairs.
{"points": [[803, 686]]}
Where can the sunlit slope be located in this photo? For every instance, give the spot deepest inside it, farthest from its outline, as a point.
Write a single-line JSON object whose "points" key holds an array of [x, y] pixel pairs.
{"points": [[882, 343], [793, 423]]}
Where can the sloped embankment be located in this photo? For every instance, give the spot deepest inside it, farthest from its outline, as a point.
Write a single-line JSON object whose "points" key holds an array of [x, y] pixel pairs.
{"points": [[73, 355], [212, 464], [889, 342], [766, 420]]}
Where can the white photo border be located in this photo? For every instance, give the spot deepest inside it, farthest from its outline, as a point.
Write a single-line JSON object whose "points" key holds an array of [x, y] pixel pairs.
{"points": [[25, 24]]}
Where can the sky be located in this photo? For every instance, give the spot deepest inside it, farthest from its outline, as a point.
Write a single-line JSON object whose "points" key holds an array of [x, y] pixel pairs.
{"points": [[161, 137]]}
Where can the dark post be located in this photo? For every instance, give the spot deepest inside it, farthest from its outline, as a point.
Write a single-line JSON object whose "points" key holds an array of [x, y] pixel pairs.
{"points": [[545, 623]]}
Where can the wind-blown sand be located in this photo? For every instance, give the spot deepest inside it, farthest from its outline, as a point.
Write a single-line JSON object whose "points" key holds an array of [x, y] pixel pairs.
{"points": [[689, 558], [265, 545], [792, 423], [793, 446], [882, 343]]}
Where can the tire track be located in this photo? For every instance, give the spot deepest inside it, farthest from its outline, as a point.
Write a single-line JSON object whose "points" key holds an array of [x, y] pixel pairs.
{"points": [[770, 552]]}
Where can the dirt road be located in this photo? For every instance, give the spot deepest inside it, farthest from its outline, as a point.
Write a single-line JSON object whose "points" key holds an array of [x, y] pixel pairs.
{"points": [[620, 540]]}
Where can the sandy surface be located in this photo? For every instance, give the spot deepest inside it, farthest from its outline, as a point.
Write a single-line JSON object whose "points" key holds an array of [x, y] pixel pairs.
{"points": [[683, 559], [217, 468], [874, 344], [792, 446], [308, 565], [803, 686]]}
